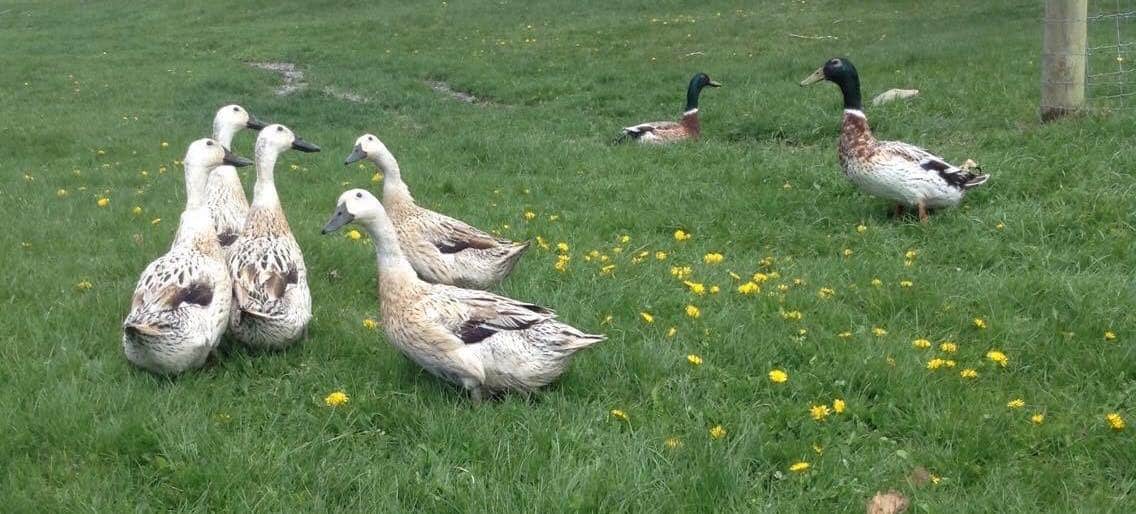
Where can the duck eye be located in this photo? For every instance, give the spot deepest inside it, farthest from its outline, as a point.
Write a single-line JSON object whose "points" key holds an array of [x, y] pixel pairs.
{"points": [[208, 143], [370, 138], [236, 109], [279, 128], [358, 195]]}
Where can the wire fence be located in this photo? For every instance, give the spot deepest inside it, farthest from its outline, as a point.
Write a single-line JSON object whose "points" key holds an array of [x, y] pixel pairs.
{"points": [[1110, 75]]}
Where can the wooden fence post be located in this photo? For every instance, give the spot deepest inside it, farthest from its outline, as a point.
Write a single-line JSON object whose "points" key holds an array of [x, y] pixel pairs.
{"points": [[1063, 58]]}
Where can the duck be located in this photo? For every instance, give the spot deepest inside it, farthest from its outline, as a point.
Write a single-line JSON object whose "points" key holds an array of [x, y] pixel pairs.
{"points": [[687, 128], [180, 307], [484, 342], [441, 249], [273, 304], [225, 195], [900, 172]]}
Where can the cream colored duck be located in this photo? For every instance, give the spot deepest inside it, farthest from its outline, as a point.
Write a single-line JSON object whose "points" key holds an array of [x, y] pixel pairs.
{"points": [[270, 280], [485, 342], [225, 195], [441, 249], [181, 304]]}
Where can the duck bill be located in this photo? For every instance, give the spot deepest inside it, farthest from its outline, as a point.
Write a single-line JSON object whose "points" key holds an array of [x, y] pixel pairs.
{"points": [[356, 155], [338, 220], [304, 146], [254, 123], [714, 83], [235, 160], [817, 76]]}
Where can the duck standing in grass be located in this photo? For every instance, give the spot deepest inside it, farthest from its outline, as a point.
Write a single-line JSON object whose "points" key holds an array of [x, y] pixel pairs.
{"points": [[441, 249], [270, 280], [181, 304], [484, 342], [225, 195], [905, 174], [661, 132]]}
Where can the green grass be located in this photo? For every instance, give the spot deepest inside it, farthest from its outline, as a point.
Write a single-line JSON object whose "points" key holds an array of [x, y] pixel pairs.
{"points": [[83, 431]]}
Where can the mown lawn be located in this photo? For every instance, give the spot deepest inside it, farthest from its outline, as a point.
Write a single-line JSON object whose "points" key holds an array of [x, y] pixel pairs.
{"points": [[1043, 255]]}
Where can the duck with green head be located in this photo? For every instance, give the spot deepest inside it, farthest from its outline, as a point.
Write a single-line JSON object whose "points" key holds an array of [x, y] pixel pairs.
{"points": [[905, 174], [661, 132]]}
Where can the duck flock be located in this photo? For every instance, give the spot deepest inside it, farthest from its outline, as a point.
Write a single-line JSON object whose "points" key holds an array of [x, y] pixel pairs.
{"points": [[235, 268]]}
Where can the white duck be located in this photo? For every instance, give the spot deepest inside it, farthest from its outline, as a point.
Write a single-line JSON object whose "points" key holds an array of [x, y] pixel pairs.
{"points": [[225, 195], [270, 280], [485, 342], [441, 249], [181, 304]]}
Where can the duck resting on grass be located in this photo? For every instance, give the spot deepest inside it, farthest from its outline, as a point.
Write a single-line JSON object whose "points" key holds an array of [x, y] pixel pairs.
{"points": [[662, 132], [441, 249], [180, 306], [905, 174], [484, 342]]}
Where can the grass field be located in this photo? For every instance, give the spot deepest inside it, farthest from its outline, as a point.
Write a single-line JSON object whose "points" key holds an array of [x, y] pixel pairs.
{"points": [[1043, 255]]}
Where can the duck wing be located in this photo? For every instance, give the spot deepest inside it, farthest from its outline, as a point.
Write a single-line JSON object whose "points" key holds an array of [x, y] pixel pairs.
{"points": [[450, 236], [171, 283], [263, 269], [931, 163], [473, 315]]}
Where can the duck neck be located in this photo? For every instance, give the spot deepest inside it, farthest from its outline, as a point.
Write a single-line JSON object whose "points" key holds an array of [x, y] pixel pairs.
{"points": [[692, 94], [850, 87], [264, 192], [391, 261], [196, 180], [223, 133], [393, 186]]}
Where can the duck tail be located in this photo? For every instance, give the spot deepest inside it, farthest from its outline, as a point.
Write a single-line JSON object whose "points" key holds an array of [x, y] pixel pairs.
{"points": [[580, 340], [975, 180], [135, 330]]}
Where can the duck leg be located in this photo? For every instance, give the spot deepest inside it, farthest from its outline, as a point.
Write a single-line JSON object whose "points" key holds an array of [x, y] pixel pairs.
{"points": [[899, 210], [922, 212]]}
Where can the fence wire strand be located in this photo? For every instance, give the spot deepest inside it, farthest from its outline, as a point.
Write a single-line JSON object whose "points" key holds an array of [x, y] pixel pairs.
{"points": [[1107, 83]]}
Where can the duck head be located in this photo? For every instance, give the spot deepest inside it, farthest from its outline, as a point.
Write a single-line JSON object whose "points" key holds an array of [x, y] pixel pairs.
{"points": [[353, 204], [366, 147], [840, 71], [207, 154], [279, 138], [232, 118], [697, 82]]}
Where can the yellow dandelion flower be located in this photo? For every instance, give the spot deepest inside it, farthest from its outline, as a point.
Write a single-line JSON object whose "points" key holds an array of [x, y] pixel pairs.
{"points": [[136, 210], [353, 235], [799, 467], [819, 412], [1115, 421], [845, 335], [541, 243], [624, 239], [377, 177], [826, 293], [103, 202], [759, 278], [647, 317], [949, 363], [791, 315], [783, 288], [673, 443], [694, 360], [906, 283], [84, 285], [921, 344], [979, 323], [695, 287], [370, 324], [562, 263], [910, 255], [681, 272], [1037, 419], [879, 331], [553, 217], [1110, 336], [620, 415], [672, 331], [935, 363], [608, 319], [968, 373], [717, 432], [860, 229], [608, 270], [818, 448], [948, 347], [681, 235], [838, 406], [100, 151], [660, 255], [1016, 403], [562, 247], [877, 282], [749, 288], [998, 357], [530, 215], [713, 258], [715, 289], [847, 252], [1000, 226], [935, 479], [778, 376], [336, 398], [693, 312], [61, 193]]}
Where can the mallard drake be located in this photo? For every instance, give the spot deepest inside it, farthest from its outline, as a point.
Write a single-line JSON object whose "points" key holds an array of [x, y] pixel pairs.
{"points": [[660, 132], [905, 174], [270, 280], [224, 194], [485, 342], [441, 249], [181, 303]]}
